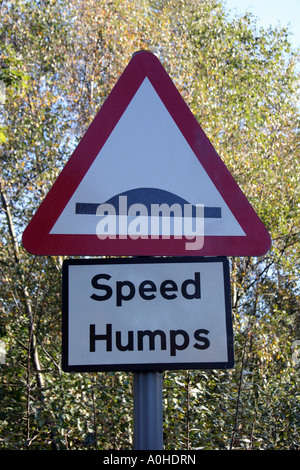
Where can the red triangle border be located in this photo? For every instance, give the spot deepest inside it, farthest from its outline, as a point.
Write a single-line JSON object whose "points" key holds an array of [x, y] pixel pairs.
{"points": [[37, 238]]}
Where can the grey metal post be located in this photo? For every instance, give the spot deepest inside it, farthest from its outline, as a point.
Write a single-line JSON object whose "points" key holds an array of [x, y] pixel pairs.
{"points": [[148, 411]]}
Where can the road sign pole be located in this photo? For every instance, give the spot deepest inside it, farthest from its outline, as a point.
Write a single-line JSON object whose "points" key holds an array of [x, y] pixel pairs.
{"points": [[148, 411]]}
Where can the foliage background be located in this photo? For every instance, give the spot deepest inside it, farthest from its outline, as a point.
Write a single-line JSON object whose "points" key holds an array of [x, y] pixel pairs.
{"points": [[59, 60]]}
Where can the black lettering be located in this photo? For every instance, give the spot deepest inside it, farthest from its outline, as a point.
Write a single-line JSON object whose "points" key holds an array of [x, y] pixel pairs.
{"points": [[174, 345], [120, 295], [128, 346], [151, 335], [107, 337], [204, 340], [196, 284], [143, 289], [164, 289], [107, 289]]}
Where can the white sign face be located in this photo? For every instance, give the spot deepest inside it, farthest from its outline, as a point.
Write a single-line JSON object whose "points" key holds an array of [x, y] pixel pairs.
{"points": [[145, 129], [146, 314]]}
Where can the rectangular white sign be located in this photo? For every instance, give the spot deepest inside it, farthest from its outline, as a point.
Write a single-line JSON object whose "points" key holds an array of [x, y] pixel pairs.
{"points": [[146, 314]]}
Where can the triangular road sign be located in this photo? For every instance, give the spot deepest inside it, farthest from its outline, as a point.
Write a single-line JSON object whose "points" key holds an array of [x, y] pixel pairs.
{"points": [[145, 153]]}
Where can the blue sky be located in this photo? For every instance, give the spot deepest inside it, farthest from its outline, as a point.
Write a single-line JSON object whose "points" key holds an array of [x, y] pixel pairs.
{"points": [[272, 13]]}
